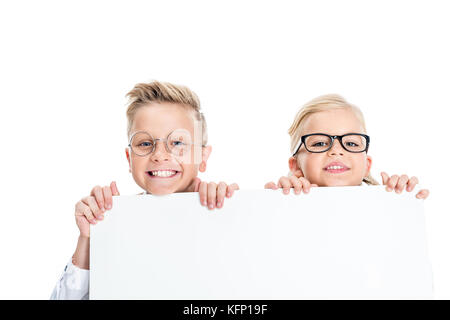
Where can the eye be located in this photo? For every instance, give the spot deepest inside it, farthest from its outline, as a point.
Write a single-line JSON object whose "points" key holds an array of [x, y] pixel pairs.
{"points": [[352, 144], [319, 144], [177, 143], [145, 144]]}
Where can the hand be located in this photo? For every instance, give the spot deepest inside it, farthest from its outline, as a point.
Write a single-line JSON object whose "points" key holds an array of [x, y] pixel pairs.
{"points": [[298, 183], [90, 209], [213, 194], [399, 183]]}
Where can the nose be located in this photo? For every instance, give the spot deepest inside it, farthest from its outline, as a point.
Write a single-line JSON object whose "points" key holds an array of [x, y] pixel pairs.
{"points": [[160, 153], [336, 148]]}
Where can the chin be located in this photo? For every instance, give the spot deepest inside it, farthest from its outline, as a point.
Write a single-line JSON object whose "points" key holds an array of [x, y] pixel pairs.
{"points": [[336, 183], [162, 191]]}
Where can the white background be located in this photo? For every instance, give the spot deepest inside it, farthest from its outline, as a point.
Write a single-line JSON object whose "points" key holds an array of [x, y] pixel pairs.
{"points": [[65, 68]]}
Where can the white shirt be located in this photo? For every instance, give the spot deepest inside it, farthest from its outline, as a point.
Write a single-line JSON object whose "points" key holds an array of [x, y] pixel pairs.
{"points": [[73, 284]]}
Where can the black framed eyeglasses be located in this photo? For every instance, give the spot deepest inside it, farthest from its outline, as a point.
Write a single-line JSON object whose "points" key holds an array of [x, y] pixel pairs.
{"points": [[321, 142]]}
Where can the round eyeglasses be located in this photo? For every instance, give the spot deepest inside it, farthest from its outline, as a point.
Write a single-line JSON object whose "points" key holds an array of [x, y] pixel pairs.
{"points": [[177, 143], [321, 142]]}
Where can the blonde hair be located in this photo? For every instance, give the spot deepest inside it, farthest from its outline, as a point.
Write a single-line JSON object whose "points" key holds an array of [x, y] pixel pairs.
{"points": [[156, 92], [324, 103]]}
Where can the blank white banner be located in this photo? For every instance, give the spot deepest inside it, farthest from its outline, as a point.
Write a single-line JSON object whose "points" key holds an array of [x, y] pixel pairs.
{"points": [[333, 243]]}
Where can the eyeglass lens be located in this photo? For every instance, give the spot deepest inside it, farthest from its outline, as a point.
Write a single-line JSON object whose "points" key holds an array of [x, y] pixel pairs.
{"points": [[321, 143], [177, 143]]}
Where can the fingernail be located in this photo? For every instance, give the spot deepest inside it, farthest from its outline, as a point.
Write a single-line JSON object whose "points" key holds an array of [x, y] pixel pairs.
{"points": [[229, 194], [306, 190], [94, 221], [389, 189], [204, 203], [219, 204], [100, 217], [210, 206], [108, 206]]}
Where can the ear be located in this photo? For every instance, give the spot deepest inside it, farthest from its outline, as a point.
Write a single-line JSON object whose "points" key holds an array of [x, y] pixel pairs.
{"points": [[127, 153], [295, 169], [206, 151], [368, 165]]}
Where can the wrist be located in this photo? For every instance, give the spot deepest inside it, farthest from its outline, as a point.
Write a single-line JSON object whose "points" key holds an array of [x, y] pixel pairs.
{"points": [[81, 256], [84, 236]]}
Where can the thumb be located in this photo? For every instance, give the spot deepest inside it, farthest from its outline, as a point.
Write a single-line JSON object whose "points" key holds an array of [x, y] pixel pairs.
{"points": [[270, 185], [298, 174], [114, 190], [195, 185], [384, 177]]}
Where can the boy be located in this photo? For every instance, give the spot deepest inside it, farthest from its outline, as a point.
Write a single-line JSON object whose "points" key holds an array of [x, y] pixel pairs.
{"points": [[167, 147]]}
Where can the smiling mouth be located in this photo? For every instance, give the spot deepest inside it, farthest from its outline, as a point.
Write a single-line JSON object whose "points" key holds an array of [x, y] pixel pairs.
{"points": [[162, 173], [336, 169]]}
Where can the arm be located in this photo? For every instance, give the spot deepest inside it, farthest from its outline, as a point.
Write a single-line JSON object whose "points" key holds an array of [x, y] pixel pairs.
{"points": [[74, 282]]}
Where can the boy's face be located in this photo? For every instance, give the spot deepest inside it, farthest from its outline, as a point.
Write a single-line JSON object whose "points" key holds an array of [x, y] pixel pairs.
{"points": [[161, 171], [315, 167]]}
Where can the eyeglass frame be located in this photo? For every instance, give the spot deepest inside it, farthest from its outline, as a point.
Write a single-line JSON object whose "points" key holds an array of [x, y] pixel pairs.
{"points": [[155, 142], [339, 138]]}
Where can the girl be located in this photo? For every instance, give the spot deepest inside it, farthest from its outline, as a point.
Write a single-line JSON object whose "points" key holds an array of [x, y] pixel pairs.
{"points": [[329, 146]]}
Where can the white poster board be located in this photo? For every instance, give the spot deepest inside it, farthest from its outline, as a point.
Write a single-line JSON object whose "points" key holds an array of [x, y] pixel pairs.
{"points": [[333, 243]]}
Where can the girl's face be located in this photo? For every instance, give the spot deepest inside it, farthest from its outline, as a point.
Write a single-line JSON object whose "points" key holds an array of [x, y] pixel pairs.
{"points": [[162, 171], [315, 167]]}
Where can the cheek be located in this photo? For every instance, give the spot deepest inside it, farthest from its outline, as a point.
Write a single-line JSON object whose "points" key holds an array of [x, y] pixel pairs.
{"points": [[311, 164], [186, 158], [138, 169], [360, 164], [189, 171], [137, 163]]}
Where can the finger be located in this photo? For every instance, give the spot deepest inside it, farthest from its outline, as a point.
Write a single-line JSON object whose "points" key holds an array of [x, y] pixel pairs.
{"points": [[423, 194], [401, 184], [98, 194], [114, 190], [270, 185], [384, 177], [392, 182], [231, 188], [314, 185], [295, 182], [202, 190], [107, 193], [412, 184], [82, 209], [221, 190], [285, 184], [92, 203], [306, 185], [211, 194]]}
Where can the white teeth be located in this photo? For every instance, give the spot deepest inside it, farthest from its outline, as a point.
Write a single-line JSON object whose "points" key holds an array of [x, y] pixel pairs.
{"points": [[163, 173], [335, 168]]}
